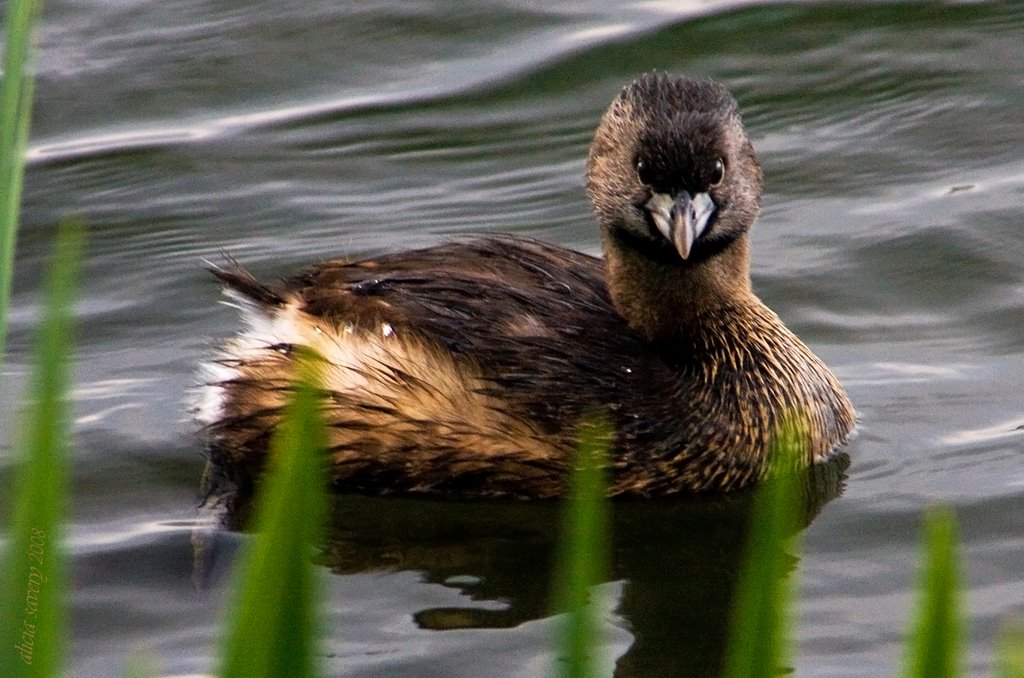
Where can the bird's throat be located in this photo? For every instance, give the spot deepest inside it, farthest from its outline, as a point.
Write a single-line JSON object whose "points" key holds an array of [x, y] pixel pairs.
{"points": [[664, 300]]}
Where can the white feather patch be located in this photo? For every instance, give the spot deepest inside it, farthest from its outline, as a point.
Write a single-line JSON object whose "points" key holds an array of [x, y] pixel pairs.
{"points": [[353, 359], [262, 328]]}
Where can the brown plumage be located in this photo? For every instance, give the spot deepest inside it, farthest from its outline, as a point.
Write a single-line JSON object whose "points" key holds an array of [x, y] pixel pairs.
{"points": [[464, 369]]}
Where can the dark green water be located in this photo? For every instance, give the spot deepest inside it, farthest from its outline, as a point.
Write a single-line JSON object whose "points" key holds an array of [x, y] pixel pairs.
{"points": [[892, 138]]}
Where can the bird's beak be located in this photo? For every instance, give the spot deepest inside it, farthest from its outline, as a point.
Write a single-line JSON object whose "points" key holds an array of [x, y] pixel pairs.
{"points": [[681, 218]]}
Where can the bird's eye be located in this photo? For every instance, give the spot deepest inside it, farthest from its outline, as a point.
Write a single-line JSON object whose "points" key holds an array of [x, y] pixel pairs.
{"points": [[717, 174], [643, 173]]}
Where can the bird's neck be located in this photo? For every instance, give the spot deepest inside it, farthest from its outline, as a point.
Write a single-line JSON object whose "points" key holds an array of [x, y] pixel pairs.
{"points": [[667, 303]]}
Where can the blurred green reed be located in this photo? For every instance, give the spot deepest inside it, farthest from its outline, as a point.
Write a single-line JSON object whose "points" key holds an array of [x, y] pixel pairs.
{"points": [[272, 629], [760, 616], [34, 589], [583, 558], [935, 639], [15, 113], [32, 594]]}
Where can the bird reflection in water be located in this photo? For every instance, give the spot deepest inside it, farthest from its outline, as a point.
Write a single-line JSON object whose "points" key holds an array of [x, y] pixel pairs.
{"points": [[677, 560]]}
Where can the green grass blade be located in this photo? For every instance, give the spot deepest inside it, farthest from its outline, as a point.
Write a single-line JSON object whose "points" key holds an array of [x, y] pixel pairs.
{"points": [[15, 112], [34, 567], [273, 630], [759, 623], [1011, 652], [583, 561], [935, 642]]}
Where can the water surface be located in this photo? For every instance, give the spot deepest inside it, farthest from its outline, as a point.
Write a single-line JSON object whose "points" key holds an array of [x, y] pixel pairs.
{"points": [[281, 134]]}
